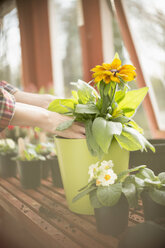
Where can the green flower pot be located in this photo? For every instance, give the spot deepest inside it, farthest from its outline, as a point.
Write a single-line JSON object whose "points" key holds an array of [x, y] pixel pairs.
{"points": [[74, 160]]}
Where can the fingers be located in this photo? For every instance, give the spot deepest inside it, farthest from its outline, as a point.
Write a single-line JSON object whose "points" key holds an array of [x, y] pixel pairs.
{"points": [[70, 134], [74, 132]]}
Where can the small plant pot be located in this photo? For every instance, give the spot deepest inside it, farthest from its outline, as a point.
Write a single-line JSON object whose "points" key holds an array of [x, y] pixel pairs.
{"points": [[152, 210], [154, 161], [45, 169], [7, 166], [29, 173], [55, 172], [112, 220]]}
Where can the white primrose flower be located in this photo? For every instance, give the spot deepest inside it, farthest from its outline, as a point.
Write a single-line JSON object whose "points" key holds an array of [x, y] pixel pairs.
{"points": [[93, 169], [106, 178], [106, 165]]}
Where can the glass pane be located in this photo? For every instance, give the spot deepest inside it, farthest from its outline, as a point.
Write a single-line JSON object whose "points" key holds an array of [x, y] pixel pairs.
{"points": [[66, 49], [119, 47], [147, 22], [10, 50]]}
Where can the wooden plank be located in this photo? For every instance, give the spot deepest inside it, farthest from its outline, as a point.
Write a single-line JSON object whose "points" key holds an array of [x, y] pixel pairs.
{"points": [[46, 233], [86, 233], [76, 230], [59, 191], [9, 235]]}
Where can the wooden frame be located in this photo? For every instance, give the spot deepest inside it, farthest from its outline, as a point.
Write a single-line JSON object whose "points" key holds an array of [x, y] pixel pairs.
{"points": [[127, 38]]}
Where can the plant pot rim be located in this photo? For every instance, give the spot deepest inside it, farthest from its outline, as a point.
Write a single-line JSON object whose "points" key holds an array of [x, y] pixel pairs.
{"points": [[59, 137]]}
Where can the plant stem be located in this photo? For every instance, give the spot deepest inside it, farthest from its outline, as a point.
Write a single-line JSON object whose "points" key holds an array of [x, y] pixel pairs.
{"points": [[116, 85]]}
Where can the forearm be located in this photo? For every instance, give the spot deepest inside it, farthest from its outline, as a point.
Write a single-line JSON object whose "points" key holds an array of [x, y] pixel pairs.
{"points": [[40, 100], [28, 115], [33, 116]]}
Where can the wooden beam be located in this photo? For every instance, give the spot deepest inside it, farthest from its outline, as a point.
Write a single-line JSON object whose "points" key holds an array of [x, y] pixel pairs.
{"points": [[35, 43]]}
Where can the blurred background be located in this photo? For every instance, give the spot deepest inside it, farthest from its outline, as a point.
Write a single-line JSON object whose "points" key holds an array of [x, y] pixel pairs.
{"points": [[46, 44]]}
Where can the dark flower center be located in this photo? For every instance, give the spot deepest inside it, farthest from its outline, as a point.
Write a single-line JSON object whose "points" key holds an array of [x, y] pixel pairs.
{"points": [[114, 71]]}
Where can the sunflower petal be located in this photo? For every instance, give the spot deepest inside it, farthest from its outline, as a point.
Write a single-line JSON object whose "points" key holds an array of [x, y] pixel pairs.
{"points": [[128, 67], [116, 63], [106, 66], [98, 68]]}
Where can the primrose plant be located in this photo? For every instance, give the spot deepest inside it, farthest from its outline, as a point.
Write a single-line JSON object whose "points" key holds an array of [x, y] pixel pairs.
{"points": [[105, 187]]}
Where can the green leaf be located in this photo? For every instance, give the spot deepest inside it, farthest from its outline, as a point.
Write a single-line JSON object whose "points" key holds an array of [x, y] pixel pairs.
{"points": [[75, 95], [109, 195], [119, 96], [87, 109], [61, 105], [162, 177], [105, 104], [132, 140], [158, 196], [106, 89], [83, 193], [87, 185], [132, 100], [148, 181], [129, 191], [65, 125], [122, 174], [94, 199], [147, 173], [37, 129], [103, 132], [139, 182], [86, 93], [93, 147], [133, 124], [122, 119]]}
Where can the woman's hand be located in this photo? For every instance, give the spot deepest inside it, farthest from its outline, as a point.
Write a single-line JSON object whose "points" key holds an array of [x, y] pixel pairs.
{"points": [[29, 115], [77, 130]]}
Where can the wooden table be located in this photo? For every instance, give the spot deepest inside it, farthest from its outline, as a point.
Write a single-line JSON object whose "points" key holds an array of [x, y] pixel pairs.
{"points": [[41, 219]]}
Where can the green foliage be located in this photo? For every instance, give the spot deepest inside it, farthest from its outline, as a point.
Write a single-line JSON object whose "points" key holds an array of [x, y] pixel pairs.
{"points": [[62, 106], [147, 181], [132, 140], [42, 148], [106, 115], [109, 195], [103, 132], [65, 125], [7, 146], [132, 100], [30, 154]]}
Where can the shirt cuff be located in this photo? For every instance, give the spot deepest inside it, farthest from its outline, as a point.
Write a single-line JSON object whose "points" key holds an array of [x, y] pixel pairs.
{"points": [[7, 108], [8, 87]]}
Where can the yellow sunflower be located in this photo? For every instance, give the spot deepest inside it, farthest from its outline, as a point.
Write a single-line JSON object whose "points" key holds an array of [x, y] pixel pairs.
{"points": [[113, 72]]}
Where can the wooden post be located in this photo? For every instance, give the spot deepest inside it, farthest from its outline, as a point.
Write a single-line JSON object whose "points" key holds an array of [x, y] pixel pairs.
{"points": [[91, 37], [35, 43]]}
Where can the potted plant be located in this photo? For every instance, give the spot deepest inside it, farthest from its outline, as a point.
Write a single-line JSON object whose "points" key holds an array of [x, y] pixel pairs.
{"points": [[8, 149], [110, 196], [29, 165], [55, 169], [151, 188], [106, 110], [155, 160], [14, 132], [44, 149]]}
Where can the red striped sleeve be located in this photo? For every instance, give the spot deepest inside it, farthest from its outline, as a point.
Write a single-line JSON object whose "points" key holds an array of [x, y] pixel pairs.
{"points": [[7, 106], [8, 87]]}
